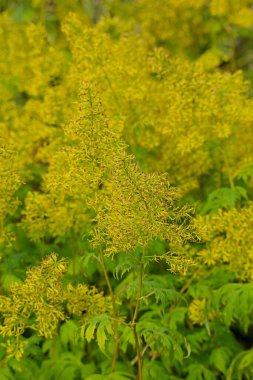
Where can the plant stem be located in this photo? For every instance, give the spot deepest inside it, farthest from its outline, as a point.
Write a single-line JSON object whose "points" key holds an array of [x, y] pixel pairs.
{"points": [[135, 317], [53, 351], [135, 360], [114, 313], [42, 12], [229, 174], [139, 353], [137, 307]]}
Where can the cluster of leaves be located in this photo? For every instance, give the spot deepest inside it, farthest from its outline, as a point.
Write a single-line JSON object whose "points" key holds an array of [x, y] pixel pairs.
{"points": [[118, 119]]}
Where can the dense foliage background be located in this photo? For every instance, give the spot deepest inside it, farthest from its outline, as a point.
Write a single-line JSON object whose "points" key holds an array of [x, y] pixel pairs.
{"points": [[126, 168]]}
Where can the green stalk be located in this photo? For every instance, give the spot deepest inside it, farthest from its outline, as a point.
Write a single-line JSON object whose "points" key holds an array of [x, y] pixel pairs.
{"points": [[114, 312], [135, 317]]}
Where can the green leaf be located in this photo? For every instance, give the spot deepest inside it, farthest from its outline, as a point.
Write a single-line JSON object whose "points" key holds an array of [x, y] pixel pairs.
{"points": [[247, 361], [245, 173], [153, 370], [235, 303], [103, 326], [127, 262], [159, 287], [127, 337], [200, 290], [220, 358], [101, 337], [6, 374], [177, 317], [224, 197], [200, 372], [197, 338], [160, 338], [188, 348], [69, 333], [89, 334], [241, 366]]}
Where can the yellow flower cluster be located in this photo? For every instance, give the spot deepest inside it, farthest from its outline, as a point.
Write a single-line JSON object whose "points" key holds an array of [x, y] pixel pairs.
{"points": [[93, 172], [179, 114], [99, 119], [237, 12], [85, 302], [75, 173], [198, 313], [229, 240], [187, 27], [9, 183], [174, 115], [166, 106], [183, 17], [137, 207], [38, 303], [31, 110], [40, 295], [102, 112]]}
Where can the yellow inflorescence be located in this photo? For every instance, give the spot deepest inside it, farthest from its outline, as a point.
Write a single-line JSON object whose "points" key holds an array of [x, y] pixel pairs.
{"points": [[9, 183], [198, 313], [39, 303], [228, 237], [179, 114], [98, 121], [236, 12]]}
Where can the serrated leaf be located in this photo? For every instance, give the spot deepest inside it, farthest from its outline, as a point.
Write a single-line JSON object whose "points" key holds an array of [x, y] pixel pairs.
{"points": [[235, 302], [177, 316], [220, 358], [197, 338], [122, 269], [245, 173], [126, 263], [103, 326], [101, 337], [85, 260], [89, 333], [157, 335], [200, 372], [241, 366], [68, 332], [200, 290], [127, 338], [153, 370], [224, 197], [247, 361]]}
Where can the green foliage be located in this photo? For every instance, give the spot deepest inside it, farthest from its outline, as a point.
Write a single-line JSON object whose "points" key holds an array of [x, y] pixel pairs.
{"points": [[118, 119], [241, 366], [224, 198], [103, 326], [235, 301]]}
